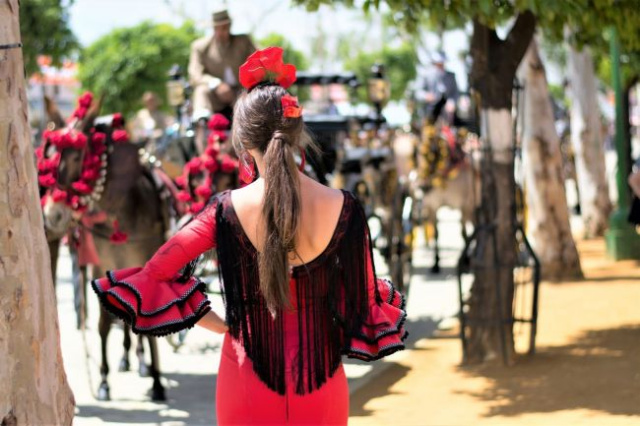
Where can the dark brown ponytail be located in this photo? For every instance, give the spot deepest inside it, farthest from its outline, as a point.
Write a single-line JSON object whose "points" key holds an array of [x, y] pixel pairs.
{"points": [[259, 124]]}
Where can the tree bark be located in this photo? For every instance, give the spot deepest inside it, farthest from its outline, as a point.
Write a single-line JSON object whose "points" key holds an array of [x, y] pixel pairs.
{"points": [[34, 389], [548, 224], [587, 143], [495, 62]]}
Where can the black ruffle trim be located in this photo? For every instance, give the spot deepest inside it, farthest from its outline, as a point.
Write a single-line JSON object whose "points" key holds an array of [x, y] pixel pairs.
{"points": [[163, 329], [385, 351], [397, 328], [199, 285]]}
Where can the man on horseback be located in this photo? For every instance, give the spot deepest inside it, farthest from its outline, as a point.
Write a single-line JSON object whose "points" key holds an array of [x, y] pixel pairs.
{"points": [[435, 90], [213, 71]]}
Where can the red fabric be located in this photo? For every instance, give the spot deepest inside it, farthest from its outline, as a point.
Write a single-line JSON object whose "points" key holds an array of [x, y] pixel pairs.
{"points": [[384, 330], [242, 399], [267, 65], [152, 298], [87, 253]]}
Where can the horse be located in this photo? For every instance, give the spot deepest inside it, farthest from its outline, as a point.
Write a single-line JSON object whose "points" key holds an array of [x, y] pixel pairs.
{"points": [[127, 194], [440, 174]]}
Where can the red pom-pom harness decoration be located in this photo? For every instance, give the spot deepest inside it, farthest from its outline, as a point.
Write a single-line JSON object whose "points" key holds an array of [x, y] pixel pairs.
{"points": [[207, 165], [90, 184]]}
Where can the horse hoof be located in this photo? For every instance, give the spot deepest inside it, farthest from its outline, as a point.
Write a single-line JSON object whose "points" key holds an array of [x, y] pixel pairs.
{"points": [[157, 393], [103, 393], [143, 370], [124, 365]]}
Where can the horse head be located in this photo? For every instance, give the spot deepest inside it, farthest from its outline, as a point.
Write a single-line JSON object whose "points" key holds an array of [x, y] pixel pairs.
{"points": [[81, 162], [72, 155]]}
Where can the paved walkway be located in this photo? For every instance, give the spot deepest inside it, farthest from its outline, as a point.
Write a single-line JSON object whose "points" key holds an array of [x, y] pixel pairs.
{"points": [[190, 374]]}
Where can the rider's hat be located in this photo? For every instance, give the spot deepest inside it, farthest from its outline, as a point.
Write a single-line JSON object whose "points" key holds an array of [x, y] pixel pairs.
{"points": [[221, 17], [438, 57]]}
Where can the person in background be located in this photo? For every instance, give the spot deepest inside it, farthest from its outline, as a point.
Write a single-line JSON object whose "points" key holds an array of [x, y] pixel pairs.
{"points": [[213, 72], [150, 123], [435, 89]]}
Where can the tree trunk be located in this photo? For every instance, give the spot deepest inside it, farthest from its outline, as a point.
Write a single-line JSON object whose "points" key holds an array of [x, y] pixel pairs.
{"points": [[548, 224], [587, 143], [495, 62], [34, 389]]}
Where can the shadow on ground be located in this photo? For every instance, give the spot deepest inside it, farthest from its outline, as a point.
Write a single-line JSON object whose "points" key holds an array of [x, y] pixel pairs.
{"points": [[418, 329], [599, 370], [181, 405], [383, 386]]}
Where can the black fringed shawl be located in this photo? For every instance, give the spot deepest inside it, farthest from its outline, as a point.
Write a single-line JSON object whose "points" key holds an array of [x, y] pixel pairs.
{"points": [[332, 294]]}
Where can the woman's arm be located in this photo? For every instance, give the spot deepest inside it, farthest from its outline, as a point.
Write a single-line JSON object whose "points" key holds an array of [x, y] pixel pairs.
{"points": [[186, 245], [212, 322]]}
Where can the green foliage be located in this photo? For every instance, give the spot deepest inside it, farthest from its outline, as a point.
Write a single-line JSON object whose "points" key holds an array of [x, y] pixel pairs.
{"points": [[400, 65], [125, 63], [585, 21], [629, 67], [291, 55], [44, 28], [585, 18]]}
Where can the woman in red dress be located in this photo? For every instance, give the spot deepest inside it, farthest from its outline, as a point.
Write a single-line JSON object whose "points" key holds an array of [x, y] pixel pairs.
{"points": [[296, 268]]}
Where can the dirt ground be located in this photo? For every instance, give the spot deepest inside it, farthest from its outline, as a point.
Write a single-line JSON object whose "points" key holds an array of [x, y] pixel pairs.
{"points": [[586, 370]]}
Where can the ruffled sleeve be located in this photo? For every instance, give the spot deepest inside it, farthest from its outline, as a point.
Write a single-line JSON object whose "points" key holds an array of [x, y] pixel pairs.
{"points": [[156, 299], [381, 332]]}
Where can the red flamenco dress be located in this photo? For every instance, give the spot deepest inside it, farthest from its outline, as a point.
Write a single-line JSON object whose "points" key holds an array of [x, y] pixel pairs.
{"points": [[282, 366]]}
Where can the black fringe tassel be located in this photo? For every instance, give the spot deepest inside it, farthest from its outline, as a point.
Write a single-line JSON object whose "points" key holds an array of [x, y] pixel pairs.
{"points": [[332, 300]]}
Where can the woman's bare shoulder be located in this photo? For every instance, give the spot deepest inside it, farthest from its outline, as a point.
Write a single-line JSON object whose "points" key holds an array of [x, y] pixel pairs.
{"points": [[322, 195], [247, 198]]}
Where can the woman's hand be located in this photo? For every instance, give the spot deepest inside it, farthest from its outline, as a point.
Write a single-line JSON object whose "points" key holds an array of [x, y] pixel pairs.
{"points": [[212, 322]]}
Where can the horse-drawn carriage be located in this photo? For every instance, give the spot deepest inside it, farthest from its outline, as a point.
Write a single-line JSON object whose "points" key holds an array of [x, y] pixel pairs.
{"points": [[357, 155]]}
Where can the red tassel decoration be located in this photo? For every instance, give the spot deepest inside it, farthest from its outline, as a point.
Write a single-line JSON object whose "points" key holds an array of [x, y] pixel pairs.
{"points": [[118, 237]]}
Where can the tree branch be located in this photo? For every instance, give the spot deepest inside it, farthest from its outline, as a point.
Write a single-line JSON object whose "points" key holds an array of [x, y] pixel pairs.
{"points": [[519, 38], [479, 50]]}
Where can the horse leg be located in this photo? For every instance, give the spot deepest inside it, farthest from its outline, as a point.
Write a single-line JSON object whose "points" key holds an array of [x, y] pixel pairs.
{"points": [[436, 263], [157, 391], [465, 235], [80, 297], [143, 368], [79, 280], [104, 327], [126, 344]]}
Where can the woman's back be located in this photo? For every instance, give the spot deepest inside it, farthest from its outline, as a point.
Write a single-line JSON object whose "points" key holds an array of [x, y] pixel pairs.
{"points": [[319, 214]]}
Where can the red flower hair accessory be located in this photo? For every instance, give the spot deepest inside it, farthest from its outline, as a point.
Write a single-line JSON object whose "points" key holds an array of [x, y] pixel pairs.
{"points": [[266, 66], [290, 107]]}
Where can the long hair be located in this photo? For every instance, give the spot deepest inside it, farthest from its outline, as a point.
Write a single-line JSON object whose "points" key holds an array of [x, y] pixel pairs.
{"points": [[258, 123]]}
